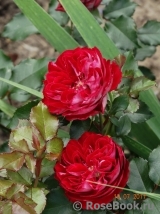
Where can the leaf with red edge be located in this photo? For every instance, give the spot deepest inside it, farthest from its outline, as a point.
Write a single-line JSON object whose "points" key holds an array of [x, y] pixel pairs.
{"points": [[14, 189], [46, 123], [24, 203], [55, 146], [6, 207], [13, 161], [30, 162], [4, 186], [46, 168], [22, 133], [22, 176], [38, 197], [20, 146], [38, 141]]}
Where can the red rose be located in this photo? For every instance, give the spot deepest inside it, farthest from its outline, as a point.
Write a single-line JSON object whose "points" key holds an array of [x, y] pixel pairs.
{"points": [[77, 84], [95, 158], [90, 4]]}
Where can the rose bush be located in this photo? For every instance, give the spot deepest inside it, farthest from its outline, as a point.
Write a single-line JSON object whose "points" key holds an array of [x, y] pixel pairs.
{"points": [[77, 84], [90, 4], [96, 158]]}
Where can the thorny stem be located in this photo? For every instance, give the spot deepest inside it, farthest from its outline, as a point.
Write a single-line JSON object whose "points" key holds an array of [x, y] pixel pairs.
{"points": [[40, 156], [38, 171], [36, 182]]}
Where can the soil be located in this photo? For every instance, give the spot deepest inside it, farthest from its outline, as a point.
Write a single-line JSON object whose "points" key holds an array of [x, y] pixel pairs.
{"points": [[35, 46]]}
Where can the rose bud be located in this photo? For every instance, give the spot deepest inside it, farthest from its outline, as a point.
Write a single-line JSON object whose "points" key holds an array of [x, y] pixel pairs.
{"points": [[77, 84], [95, 158]]}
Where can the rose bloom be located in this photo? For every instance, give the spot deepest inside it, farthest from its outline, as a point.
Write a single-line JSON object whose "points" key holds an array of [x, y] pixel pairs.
{"points": [[90, 4], [96, 158], [77, 84]]}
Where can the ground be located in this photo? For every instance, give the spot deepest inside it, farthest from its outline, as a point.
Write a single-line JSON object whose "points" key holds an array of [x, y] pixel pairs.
{"points": [[150, 10]]}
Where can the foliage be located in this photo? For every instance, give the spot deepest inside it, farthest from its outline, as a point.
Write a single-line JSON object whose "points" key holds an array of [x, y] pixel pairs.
{"points": [[37, 137], [33, 151]]}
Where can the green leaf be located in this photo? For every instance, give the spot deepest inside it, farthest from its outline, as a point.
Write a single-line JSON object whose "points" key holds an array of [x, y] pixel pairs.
{"points": [[140, 84], [141, 115], [38, 141], [47, 168], [38, 196], [23, 204], [133, 105], [128, 74], [149, 34], [57, 202], [27, 89], [32, 77], [154, 163], [153, 103], [130, 63], [117, 8], [6, 74], [136, 147], [78, 127], [30, 162], [44, 122], [119, 104], [49, 28], [14, 189], [151, 206], [20, 146], [61, 17], [147, 73], [4, 186], [122, 32], [7, 108], [123, 126], [6, 208], [22, 113], [4, 147], [144, 52], [23, 176], [139, 178], [3, 173], [79, 16], [105, 2], [13, 161], [97, 15], [5, 61], [54, 146], [62, 134], [19, 28], [143, 133], [20, 136], [77, 36], [51, 182]]}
